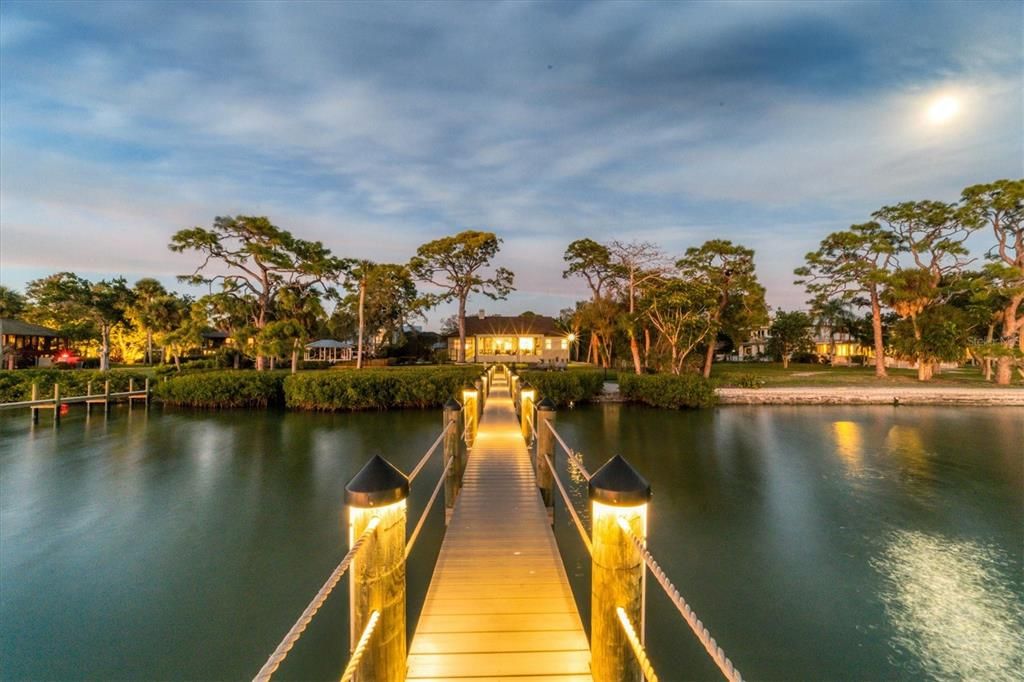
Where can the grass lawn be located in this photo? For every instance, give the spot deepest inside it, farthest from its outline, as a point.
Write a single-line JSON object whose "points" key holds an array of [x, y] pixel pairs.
{"points": [[772, 374]]}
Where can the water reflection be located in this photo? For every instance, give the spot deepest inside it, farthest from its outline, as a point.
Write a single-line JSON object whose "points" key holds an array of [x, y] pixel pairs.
{"points": [[905, 442], [849, 444], [950, 609]]}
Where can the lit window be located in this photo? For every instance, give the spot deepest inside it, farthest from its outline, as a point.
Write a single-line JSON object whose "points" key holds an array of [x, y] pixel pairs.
{"points": [[526, 344], [565, 344], [547, 344]]}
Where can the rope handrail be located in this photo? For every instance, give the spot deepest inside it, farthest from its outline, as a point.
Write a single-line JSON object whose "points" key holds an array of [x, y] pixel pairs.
{"points": [[574, 457], [636, 645], [425, 458], [703, 634], [572, 510], [430, 504], [276, 658], [357, 653]]}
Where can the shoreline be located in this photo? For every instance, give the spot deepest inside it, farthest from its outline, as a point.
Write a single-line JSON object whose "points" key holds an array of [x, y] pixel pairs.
{"points": [[881, 395]]}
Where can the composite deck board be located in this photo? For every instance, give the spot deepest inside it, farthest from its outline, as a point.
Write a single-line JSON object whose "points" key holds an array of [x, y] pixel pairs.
{"points": [[499, 606]]}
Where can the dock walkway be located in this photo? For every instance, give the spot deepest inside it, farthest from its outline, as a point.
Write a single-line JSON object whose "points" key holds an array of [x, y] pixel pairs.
{"points": [[499, 604]]}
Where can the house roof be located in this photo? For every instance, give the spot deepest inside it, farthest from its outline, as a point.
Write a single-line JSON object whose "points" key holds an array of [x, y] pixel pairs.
{"points": [[512, 325], [215, 334], [328, 343], [19, 328]]}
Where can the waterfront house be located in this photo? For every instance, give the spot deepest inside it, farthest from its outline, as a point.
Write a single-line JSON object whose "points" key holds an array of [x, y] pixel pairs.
{"points": [[521, 338], [29, 345]]}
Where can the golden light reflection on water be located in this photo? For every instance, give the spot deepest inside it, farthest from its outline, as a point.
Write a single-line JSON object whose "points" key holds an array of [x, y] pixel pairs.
{"points": [[949, 606], [905, 442], [849, 444]]}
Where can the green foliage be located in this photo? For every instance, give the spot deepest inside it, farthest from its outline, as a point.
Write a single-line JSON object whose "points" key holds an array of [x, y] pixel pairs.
{"points": [[563, 388], [377, 389], [17, 385], [222, 389], [748, 380], [674, 391], [790, 334]]}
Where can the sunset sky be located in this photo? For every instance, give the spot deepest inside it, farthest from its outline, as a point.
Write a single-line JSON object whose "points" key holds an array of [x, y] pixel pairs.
{"points": [[375, 127]]}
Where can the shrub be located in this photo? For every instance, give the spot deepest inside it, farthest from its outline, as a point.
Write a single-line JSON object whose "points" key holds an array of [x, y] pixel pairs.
{"points": [[667, 390], [563, 388], [17, 385], [221, 389], [377, 389], [747, 381]]}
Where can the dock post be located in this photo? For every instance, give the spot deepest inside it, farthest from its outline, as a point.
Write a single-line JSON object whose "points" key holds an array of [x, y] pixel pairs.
{"points": [[147, 393], [545, 455], [480, 397], [56, 402], [106, 397], [131, 389], [526, 397], [470, 414], [35, 396], [379, 491], [616, 492], [453, 480]]}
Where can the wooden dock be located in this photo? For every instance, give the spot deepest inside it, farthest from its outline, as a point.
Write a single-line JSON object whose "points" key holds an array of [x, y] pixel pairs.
{"points": [[499, 604]]}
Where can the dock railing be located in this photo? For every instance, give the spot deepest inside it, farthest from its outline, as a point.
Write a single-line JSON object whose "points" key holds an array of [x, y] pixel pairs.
{"points": [[617, 544]]}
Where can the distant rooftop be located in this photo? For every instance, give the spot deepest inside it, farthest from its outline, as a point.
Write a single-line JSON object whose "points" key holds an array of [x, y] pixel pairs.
{"points": [[19, 328], [503, 325]]}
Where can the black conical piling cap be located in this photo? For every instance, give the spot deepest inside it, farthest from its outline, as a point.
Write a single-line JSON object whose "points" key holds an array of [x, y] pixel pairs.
{"points": [[545, 404], [377, 484], [453, 405], [618, 484]]}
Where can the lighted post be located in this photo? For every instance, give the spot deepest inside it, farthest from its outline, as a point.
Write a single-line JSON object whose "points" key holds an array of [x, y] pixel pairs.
{"points": [[545, 454], [453, 480], [513, 390], [469, 413], [377, 494], [526, 398], [617, 492], [479, 386]]}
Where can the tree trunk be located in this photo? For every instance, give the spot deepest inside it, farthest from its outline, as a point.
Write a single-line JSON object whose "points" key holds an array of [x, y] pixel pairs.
{"points": [[295, 360], [105, 348], [273, 362], [362, 324], [1004, 366], [149, 346], [709, 357], [675, 354], [238, 360], [785, 361], [460, 355], [876, 328], [923, 367], [593, 354], [634, 349], [647, 346], [986, 362], [177, 362]]}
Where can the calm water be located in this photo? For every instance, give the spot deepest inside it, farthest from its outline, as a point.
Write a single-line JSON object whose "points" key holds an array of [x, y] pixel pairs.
{"points": [[816, 543]]}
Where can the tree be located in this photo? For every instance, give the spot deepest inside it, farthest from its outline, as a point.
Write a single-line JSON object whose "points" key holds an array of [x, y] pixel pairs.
{"points": [[385, 299], [78, 305], [12, 303], [729, 269], [593, 262], [790, 333], [638, 264], [849, 265], [261, 259], [932, 233], [1000, 206], [681, 309], [299, 314], [454, 264], [147, 292]]}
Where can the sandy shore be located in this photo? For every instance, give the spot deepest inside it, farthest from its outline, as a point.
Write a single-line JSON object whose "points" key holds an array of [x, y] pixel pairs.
{"points": [[882, 395]]}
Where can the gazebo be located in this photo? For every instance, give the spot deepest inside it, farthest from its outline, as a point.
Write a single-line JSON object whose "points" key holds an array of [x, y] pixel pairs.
{"points": [[328, 350]]}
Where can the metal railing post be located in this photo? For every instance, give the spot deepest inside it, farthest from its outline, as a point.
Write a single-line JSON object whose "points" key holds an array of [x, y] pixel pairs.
{"points": [[379, 491], [453, 479], [616, 492], [545, 455], [526, 398]]}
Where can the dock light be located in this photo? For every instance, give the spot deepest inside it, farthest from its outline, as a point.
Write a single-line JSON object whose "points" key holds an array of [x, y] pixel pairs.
{"points": [[619, 496], [470, 413], [376, 499], [527, 394]]}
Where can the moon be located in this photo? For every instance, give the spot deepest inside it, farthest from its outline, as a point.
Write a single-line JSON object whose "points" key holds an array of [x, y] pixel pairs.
{"points": [[943, 109]]}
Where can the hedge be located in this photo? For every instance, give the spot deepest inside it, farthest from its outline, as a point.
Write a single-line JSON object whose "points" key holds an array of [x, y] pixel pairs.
{"points": [[563, 388], [377, 389], [16, 385], [667, 390], [222, 389]]}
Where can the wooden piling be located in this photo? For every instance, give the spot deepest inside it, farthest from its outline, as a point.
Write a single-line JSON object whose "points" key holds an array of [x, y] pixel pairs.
{"points": [[379, 491], [545, 455], [56, 402], [106, 397], [470, 414], [616, 492], [35, 396], [453, 480]]}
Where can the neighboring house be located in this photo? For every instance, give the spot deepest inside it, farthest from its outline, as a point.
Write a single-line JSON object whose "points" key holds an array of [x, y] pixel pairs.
{"points": [[214, 340], [846, 347], [28, 345], [329, 350], [754, 347], [523, 338]]}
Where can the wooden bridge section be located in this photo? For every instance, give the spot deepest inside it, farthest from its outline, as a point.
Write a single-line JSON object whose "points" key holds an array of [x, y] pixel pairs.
{"points": [[499, 604]]}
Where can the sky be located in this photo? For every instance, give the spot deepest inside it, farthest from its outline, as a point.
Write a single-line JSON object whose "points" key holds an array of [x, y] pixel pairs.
{"points": [[375, 127]]}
